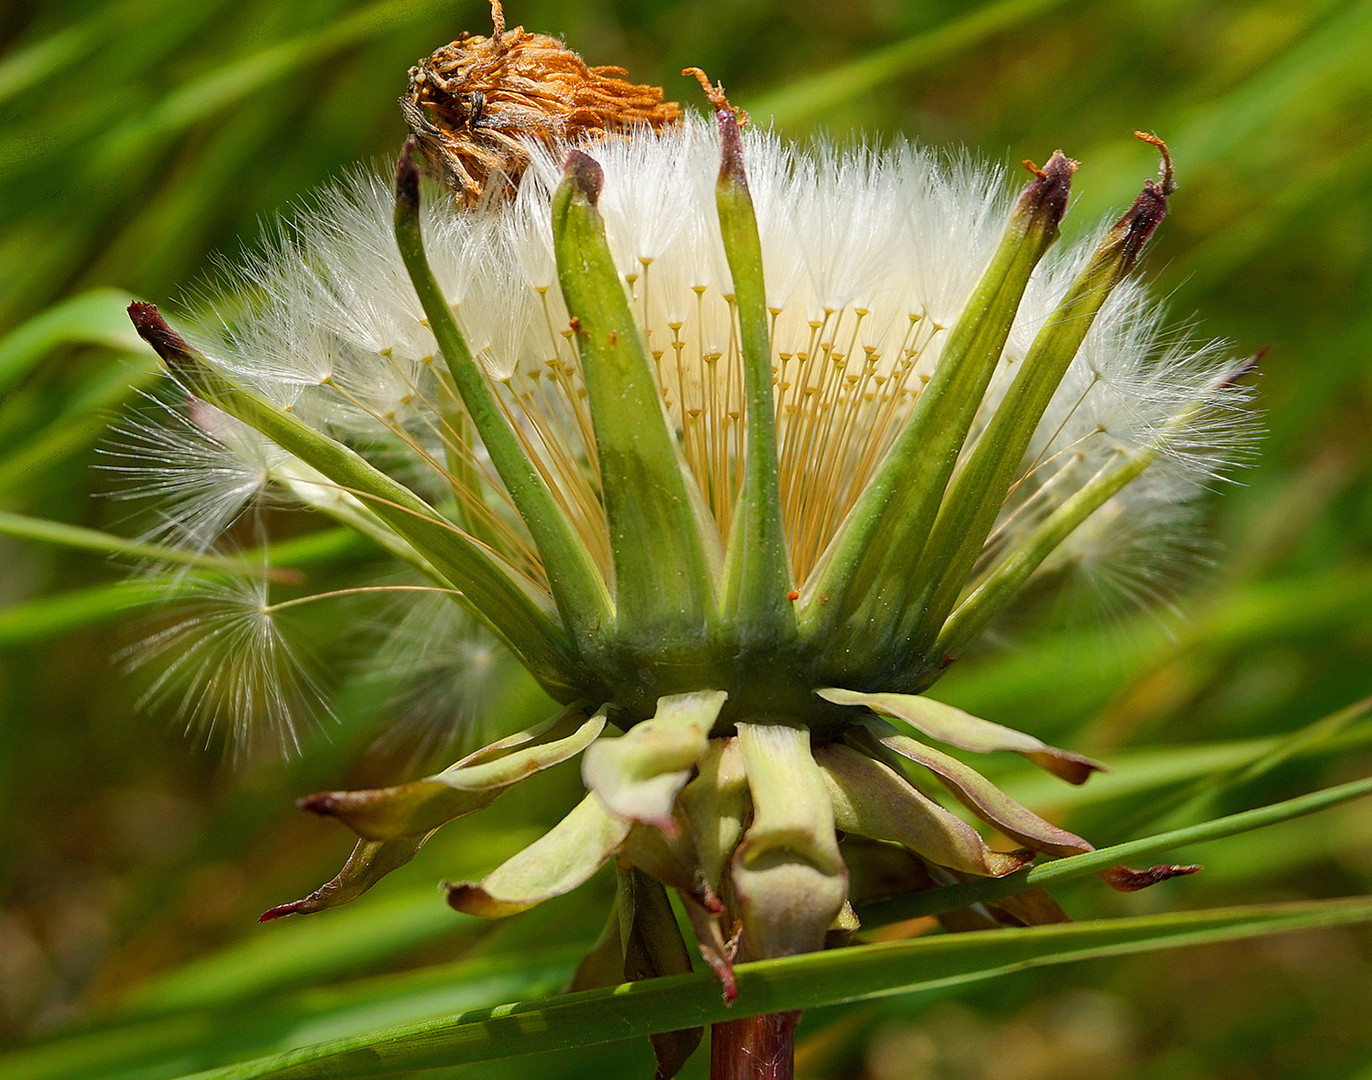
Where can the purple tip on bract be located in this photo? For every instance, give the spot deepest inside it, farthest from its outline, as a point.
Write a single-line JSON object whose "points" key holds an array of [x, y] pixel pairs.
{"points": [[1141, 220], [1125, 879], [1137, 225], [584, 171], [407, 176], [1244, 369], [731, 169], [325, 803], [280, 911], [153, 329], [1047, 194]]}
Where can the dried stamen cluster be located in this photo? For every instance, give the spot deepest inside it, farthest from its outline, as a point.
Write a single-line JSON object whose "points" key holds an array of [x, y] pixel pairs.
{"points": [[474, 105]]}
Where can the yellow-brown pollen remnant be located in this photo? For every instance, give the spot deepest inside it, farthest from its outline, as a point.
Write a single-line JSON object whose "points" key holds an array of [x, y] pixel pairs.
{"points": [[472, 103], [715, 95]]}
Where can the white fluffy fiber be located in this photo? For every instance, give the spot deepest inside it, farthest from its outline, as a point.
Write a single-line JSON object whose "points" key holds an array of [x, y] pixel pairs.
{"points": [[869, 256]]}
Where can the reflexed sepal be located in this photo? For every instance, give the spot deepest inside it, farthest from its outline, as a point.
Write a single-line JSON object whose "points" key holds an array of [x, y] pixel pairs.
{"points": [[967, 732], [370, 861], [641, 940], [1032, 908], [653, 947], [639, 774], [879, 870], [975, 792], [873, 800], [787, 872], [475, 781], [556, 863], [715, 807]]}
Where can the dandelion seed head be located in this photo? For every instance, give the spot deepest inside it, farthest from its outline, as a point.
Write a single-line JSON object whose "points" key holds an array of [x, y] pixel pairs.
{"points": [[870, 255], [200, 468], [952, 418], [228, 672]]}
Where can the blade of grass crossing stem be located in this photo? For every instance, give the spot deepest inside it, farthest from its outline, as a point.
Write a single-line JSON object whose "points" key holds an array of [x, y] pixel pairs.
{"points": [[954, 897], [801, 982], [280, 1022]]}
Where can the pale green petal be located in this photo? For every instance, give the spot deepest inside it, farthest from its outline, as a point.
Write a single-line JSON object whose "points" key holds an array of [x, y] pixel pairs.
{"points": [[873, 800], [788, 875], [967, 732], [639, 774], [648, 848], [556, 863], [369, 862], [977, 793], [419, 807], [715, 806]]}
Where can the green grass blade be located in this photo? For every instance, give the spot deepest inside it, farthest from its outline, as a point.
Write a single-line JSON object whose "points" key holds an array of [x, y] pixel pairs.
{"points": [[1143, 773], [166, 1045], [817, 979], [1076, 866], [1314, 77], [98, 317], [221, 87], [23, 527], [1193, 802], [51, 616]]}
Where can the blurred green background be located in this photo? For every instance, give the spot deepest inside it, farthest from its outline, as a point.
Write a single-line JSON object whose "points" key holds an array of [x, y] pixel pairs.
{"points": [[140, 138]]}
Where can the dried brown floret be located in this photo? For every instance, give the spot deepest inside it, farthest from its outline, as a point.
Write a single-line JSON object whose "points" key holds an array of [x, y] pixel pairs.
{"points": [[472, 104]]}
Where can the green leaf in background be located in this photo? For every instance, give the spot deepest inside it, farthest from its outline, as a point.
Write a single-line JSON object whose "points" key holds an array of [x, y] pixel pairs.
{"points": [[139, 137]]}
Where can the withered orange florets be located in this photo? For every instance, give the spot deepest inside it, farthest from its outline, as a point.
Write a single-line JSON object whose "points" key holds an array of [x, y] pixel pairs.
{"points": [[471, 103]]}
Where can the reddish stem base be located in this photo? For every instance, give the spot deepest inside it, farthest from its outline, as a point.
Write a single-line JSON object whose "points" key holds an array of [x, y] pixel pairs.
{"points": [[754, 1048]]}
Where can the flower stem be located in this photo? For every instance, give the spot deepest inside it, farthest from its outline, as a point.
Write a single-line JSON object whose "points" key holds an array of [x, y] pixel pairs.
{"points": [[754, 1048]]}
